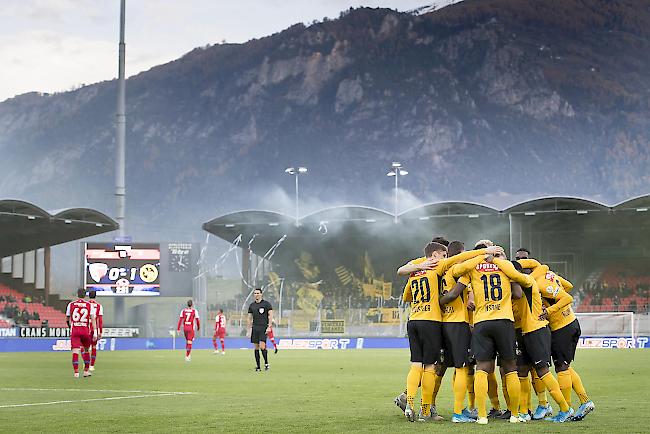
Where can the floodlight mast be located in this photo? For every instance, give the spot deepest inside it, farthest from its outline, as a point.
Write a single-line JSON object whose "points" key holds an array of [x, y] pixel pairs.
{"points": [[396, 170], [296, 172], [120, 149]]}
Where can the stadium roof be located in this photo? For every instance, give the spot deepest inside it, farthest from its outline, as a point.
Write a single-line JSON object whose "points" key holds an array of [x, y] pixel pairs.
{"points": [[439, 209], [574, 214], [25, 226]]}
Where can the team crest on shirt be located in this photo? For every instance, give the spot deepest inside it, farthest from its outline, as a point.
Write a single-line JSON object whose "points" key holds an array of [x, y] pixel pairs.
{"points": [[487, 267], [261, 309]]}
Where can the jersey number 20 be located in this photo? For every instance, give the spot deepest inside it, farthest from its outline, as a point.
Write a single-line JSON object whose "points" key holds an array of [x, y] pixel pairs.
{"points": [[421, 288]]}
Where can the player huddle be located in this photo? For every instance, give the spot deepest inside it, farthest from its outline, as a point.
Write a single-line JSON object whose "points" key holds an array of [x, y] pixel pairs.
{"points": [[472, 309]]}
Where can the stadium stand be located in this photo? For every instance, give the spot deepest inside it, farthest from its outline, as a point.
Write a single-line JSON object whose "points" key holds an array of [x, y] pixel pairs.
{"points": [[622, 287], [19, 312]]}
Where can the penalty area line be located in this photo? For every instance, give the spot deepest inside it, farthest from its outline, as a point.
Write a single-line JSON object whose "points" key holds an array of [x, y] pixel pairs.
{"points": [[112, 398]]}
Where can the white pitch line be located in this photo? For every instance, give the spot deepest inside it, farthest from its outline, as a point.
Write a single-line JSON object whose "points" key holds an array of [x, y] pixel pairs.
{"points": [[114, 398], [23, 389]]}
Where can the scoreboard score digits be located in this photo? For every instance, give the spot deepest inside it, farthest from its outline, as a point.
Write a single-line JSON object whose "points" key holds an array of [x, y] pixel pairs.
{"points": [[121, 269]]}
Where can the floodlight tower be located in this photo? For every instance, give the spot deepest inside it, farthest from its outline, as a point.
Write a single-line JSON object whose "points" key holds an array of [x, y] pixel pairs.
{"points": [[396, 170], [296, 172], [120, 123]]}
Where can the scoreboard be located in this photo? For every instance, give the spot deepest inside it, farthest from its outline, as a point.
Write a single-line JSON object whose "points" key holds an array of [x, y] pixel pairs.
{"points": [[122, 269]]}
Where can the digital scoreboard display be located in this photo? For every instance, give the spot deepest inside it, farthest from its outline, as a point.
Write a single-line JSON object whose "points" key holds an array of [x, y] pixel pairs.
{"points": [[122, 269]]}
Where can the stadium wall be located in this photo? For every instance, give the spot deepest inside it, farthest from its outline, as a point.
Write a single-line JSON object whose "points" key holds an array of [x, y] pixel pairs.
{"points": [[335, 343]]}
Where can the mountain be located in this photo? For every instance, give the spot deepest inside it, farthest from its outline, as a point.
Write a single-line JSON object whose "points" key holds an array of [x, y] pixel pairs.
{"points": [[491, 101]]}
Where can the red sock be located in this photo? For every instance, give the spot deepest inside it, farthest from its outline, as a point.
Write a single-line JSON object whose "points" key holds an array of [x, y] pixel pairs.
{"points": [[273, 342], [214, 344], [75, 362], [93, 356], [86, 357], [223, 345], [188, 348]]}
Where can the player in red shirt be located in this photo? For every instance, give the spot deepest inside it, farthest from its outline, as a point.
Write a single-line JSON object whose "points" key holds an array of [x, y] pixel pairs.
{"points": [[81, 321], [98, 310], [187, 318], [219, 332], [271, 336]]}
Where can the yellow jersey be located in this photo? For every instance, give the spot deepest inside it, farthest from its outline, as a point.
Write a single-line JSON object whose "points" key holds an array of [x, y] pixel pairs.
{"points": [[456, 310], [558, 306], [553, 289], [491, 287], [528, 308], [422, 289]]}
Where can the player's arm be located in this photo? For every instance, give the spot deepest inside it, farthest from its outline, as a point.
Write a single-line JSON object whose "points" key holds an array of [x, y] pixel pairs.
{"points": [[268, 327], [529, 263], [566, 285], [100, 320], [180, 320], [250, 320], [452, 295], [67, 315], [417, 265], [407, 297], [198, 323], [470, 299], [515, 290], [467, 266], [562, 299], [447, 263], [512, 273], [539, 271]]}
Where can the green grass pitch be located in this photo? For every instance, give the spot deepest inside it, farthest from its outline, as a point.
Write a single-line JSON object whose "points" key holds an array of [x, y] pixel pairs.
{"points": [[305, 391]]}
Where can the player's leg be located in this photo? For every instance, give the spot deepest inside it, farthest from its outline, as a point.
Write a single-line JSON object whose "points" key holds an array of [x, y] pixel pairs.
{"points": [[484, 351], [503, 332], [523, 366], [471, 397], [414, 376], [255, 340], [222, 340], [86, 342], [493, 394], [93, 356], [189, 338], [275, 346], [538, 344], [264, 351], [431, 333], [565, 352], [214, 343], [543, 408]]}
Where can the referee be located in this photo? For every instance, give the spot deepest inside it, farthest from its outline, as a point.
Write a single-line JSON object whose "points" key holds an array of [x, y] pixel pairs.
{"points": [[260, 316]]}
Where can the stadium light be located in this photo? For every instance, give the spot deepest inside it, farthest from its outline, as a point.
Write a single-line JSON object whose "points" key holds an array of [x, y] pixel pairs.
{"points": [[530, 213], [641, 209], [229, 225], [424, 218], [472, 216], [296, 171], [396, 170], [67, 222], [581, 212], [31, 217]]}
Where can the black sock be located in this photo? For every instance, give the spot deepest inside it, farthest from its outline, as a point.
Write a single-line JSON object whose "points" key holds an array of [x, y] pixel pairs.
{"points": [[257, 357], [264, 354]]}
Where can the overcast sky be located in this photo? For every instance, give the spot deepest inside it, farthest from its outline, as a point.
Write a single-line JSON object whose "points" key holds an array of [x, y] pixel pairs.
{"points": [[54, 45]]}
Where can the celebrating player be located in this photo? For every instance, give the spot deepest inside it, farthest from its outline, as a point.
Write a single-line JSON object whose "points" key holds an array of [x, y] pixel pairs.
{"points": [[260, 317], [493, 328], [98, 310], [187, 318], [565, 332], [533, 341], [219, 332], [81, 320]]}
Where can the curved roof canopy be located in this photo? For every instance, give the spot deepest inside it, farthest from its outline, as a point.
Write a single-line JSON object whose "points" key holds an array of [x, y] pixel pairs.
{"points": [[25, 226]]}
